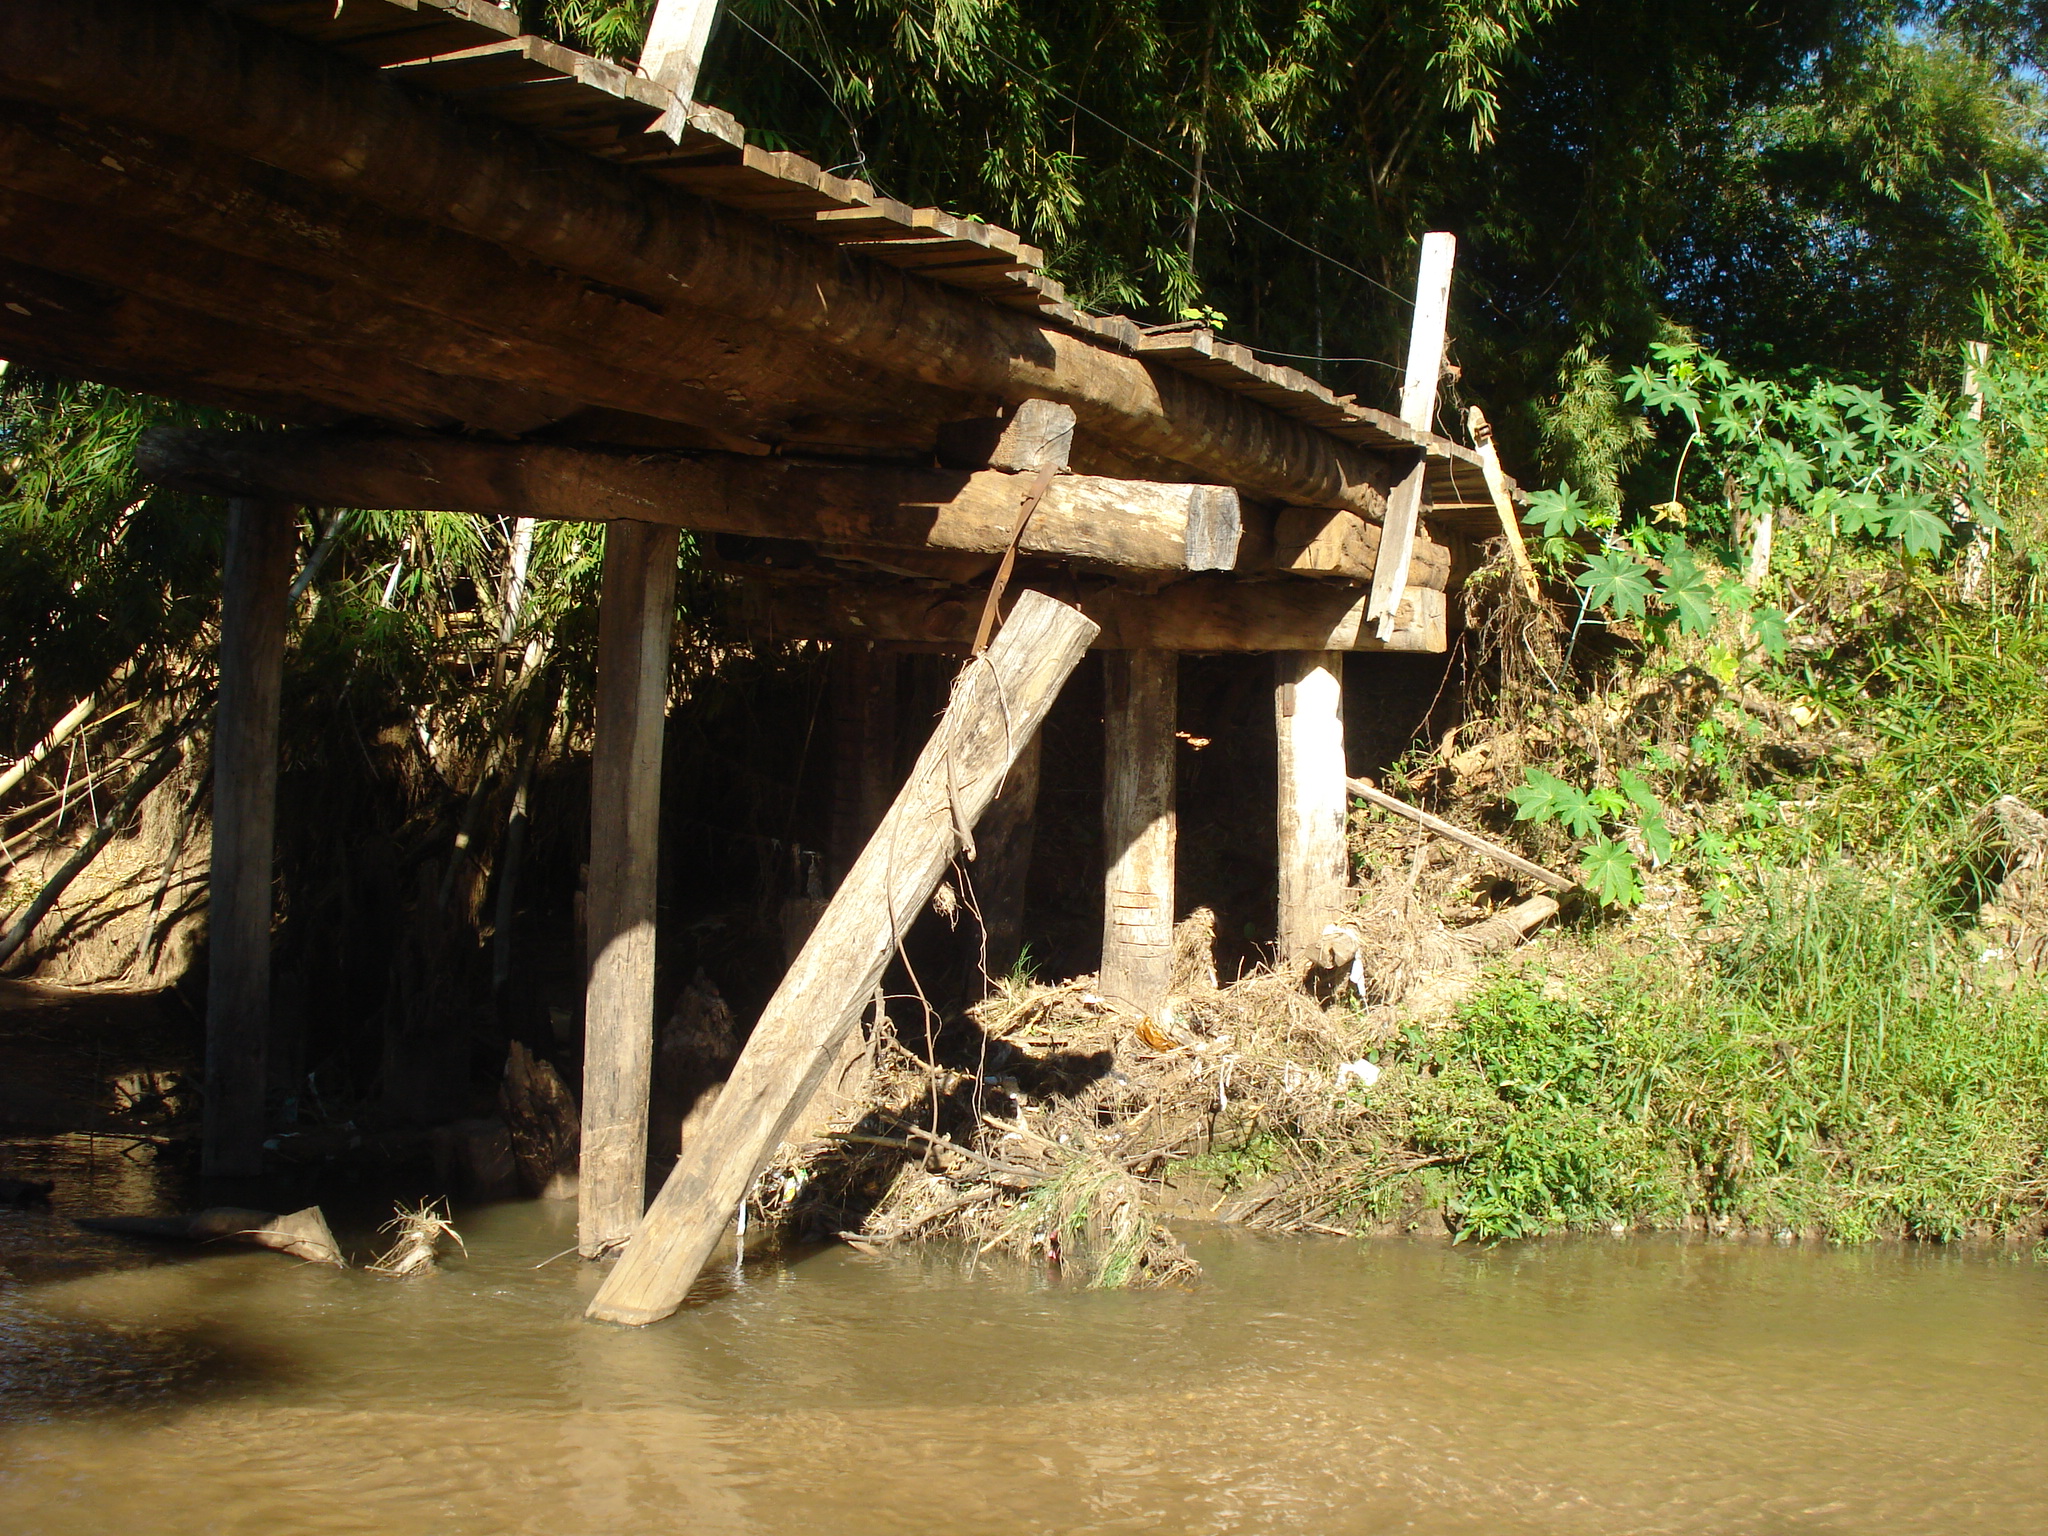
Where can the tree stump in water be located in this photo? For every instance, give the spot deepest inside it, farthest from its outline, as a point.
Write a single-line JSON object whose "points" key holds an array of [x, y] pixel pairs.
{"points": [[544, 1123]]}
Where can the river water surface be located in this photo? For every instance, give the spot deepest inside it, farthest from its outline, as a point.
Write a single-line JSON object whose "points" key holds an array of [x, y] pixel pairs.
{"points": [[1306, 1385]]}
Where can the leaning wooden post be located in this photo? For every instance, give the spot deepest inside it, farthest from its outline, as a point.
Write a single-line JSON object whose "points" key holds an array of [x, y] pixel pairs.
{"points": [[256, 576], [1418, 410], [999, 700], [636, 620], [1139, 713], [1315, 866]]}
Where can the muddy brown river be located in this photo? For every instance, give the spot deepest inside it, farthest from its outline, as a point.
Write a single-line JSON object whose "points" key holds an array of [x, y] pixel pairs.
{"points": [[1306, 1385]]}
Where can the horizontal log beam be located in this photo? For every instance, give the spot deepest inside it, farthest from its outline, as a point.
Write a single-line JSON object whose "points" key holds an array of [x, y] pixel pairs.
{"points": [[1206, 613], [1132, 524], [325, 118], [241, 242]]}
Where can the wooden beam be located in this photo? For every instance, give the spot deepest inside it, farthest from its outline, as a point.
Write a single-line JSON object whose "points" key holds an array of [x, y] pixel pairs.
{"points": [[998, 703], [1001, 873], [1137, 524], [1036, 432], [674, 50], [256, 574], [1371, 794], [1315, 865], [1201, 614], [636, 623], [1418, 409], [242, 243], [863, 680], [1325, 541], [1140, 709], [328, 120], [1503, 503]]}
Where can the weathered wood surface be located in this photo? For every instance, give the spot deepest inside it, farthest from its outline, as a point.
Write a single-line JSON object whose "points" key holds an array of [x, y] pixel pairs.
{"points": [[1503, 503], [1037, 432], [1137, 524], [1139, 712], [1201, 614], [1418, 410], [674, 50], [999, 700], [1372, 794], [328, 121], [256, 575], [636, 623], [1322, 541], [1315, 865], [863, 680], [1003, 846], [285, 265]]}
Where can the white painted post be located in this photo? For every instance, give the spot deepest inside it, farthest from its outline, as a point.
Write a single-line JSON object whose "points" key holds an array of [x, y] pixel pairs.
{"points": [[674, 50], [1418, 410]]}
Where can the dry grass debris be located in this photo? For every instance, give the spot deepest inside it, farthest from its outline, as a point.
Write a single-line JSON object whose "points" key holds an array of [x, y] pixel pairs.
{"points": [[418, 1233]]}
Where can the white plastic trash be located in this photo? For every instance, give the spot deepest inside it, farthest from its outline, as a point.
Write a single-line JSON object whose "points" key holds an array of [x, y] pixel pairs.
{"points": [[1365, 1071]]}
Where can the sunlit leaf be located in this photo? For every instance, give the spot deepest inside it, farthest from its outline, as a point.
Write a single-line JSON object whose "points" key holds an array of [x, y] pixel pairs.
{"points": [[1607, 870]]}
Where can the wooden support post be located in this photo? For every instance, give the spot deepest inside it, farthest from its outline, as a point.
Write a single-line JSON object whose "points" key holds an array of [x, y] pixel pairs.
{"points": [[863, 683], [1002, 865], [256, 575], [998, 703], [1315, 865], [636, 620], [1418, 409], [1139, 712], [677, 35]]}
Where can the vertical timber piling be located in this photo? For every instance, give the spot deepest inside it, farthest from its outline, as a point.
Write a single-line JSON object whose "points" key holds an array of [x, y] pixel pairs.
{"points": [[256, 576], [1140, 691], [636, 620], [1314, 864]]}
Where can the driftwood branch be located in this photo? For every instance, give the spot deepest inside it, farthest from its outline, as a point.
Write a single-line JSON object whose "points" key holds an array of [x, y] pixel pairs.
{"points": [[1365, 790]]}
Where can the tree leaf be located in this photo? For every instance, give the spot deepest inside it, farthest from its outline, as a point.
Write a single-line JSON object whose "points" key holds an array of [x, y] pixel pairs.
{"points": [[1912, 519], [1768, 626], [1608, 873], [1559, 512], [1617, 583]]}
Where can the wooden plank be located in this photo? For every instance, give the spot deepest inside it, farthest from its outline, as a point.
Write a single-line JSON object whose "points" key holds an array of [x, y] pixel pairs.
{"points": [[1135, 524], [1504, 509], [636, 622], [677, 35], [998, 703], [1315, 865], [1367, 791], [1140, 710], [168, 69], [256, 575], [1001, 871], [385, 31], [1219, 614], [1418, 410], [864, 679]]}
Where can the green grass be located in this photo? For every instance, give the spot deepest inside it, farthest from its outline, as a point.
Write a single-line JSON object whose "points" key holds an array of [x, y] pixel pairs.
{"points": [[1840, 1068]]}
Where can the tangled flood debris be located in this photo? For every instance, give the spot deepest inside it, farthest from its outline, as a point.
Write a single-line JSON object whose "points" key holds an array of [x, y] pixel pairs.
{"points": [[1081, 1126]]}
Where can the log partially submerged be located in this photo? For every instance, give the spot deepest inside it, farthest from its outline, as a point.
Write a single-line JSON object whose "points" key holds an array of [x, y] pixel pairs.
{"points": [[1136, 524], [302, 1234], [999, 700]]}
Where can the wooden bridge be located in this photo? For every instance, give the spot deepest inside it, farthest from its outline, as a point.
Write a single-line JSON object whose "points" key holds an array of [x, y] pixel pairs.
{"points": [[478, 271]]}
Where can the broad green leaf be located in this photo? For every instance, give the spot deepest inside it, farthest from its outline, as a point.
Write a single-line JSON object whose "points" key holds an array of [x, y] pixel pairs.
{"points": [[1656, 837], [1686, 591], [1608, 872], [1768, 625], [1558, 512], [1639, 793], [1617, 583], [1545, 797], [1913, 520]]}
